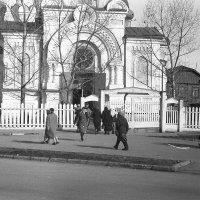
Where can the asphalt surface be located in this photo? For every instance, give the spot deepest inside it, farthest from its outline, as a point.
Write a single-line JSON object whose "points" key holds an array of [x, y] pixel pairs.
{"points": [[27, 180], [144, 144]]}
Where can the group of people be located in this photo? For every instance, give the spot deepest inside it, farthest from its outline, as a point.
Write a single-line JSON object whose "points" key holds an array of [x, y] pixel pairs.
{"points": [[115, 123]]}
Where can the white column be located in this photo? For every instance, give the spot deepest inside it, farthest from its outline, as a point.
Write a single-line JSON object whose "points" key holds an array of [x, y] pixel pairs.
{"points": [[119, 76], [112, 82], [112, 77]]}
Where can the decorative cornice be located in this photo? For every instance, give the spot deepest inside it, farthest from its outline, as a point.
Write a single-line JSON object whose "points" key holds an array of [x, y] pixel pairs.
{"points": [[18, 27]]}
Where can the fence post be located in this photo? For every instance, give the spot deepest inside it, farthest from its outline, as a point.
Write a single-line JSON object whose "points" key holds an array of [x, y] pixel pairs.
{"points": [[163, 107], [180, 116]]}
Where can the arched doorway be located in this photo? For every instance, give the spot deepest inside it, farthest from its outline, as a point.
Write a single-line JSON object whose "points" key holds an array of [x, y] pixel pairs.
{"points": [[87, 59]]}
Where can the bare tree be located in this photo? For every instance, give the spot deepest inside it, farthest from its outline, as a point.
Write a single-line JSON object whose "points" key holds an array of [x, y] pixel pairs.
{"points": [[178, 21], [20, 32], [69, 51]]}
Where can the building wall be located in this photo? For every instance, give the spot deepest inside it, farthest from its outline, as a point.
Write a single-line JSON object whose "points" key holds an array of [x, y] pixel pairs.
{"points": [[137, 57], [186, 86], [107, 43]]}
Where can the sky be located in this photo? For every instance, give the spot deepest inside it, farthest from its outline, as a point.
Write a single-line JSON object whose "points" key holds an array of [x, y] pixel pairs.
{"points": [[137, 6]]}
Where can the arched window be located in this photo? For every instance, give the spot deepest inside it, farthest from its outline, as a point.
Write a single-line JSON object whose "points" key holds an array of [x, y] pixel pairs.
{"points": [[142, 72]]}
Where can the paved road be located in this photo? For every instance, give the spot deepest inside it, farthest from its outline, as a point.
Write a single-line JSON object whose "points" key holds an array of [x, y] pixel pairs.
{"points": [[151, 145], [22, 180]]}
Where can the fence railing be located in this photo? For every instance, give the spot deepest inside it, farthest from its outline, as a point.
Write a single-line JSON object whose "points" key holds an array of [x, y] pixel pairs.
{"points": [[138, 114], [172, 116], [192, 117], [36, 117]]}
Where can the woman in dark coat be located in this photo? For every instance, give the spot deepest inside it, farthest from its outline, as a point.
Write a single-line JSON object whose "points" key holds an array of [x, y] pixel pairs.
{"points": [[107, 121], [96, 114]]}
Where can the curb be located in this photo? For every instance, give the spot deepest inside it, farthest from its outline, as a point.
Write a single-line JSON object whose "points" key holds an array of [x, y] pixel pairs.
{"points": [[173, 168]]}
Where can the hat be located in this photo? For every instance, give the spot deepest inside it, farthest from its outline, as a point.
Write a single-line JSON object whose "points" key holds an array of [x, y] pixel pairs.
{"points": [[121, 112]]}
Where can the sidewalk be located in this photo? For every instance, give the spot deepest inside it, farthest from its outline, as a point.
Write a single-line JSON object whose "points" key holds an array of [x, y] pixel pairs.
{"points": [[158, 146]]}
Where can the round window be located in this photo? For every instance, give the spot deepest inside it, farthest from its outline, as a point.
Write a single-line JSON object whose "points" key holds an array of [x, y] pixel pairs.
{"points": [[84, 58]]}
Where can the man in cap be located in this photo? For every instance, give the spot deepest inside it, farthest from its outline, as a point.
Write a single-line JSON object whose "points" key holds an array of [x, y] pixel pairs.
{"points": [[122, 128]]}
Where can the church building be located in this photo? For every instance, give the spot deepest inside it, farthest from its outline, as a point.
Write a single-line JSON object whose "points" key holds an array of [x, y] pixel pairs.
{"points": [[55, 52]]}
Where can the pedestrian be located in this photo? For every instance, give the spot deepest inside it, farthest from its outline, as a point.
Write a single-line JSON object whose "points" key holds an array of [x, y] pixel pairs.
{"points": [[122, 128], [51, 127], [82, 122], [88, 114], [77, 111], [96, 114], [107, 121], [46, 135]]}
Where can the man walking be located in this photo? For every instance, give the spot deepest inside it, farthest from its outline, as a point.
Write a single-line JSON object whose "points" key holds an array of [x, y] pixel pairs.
{"points": [[82, 122], [121, 130]]}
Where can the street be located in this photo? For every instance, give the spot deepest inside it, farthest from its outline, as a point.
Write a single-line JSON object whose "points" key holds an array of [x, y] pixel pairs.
{"points": [[22, 180]]}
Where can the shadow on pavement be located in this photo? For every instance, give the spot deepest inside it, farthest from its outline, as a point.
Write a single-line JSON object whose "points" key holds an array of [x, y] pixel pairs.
{"points": [[26, 142], [96, 147], [68, 139]]}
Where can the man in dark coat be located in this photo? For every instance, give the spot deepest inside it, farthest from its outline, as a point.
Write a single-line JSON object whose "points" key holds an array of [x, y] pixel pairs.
{"points": [[96, 114], [82, 122], [107, 120], [77, 111], [121, 130]]}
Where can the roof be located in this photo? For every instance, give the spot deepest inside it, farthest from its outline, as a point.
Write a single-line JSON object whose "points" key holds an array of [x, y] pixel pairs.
{"points": [[143, 32], [125, 1], [186, 75], [130, 14], [133, 91]]}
